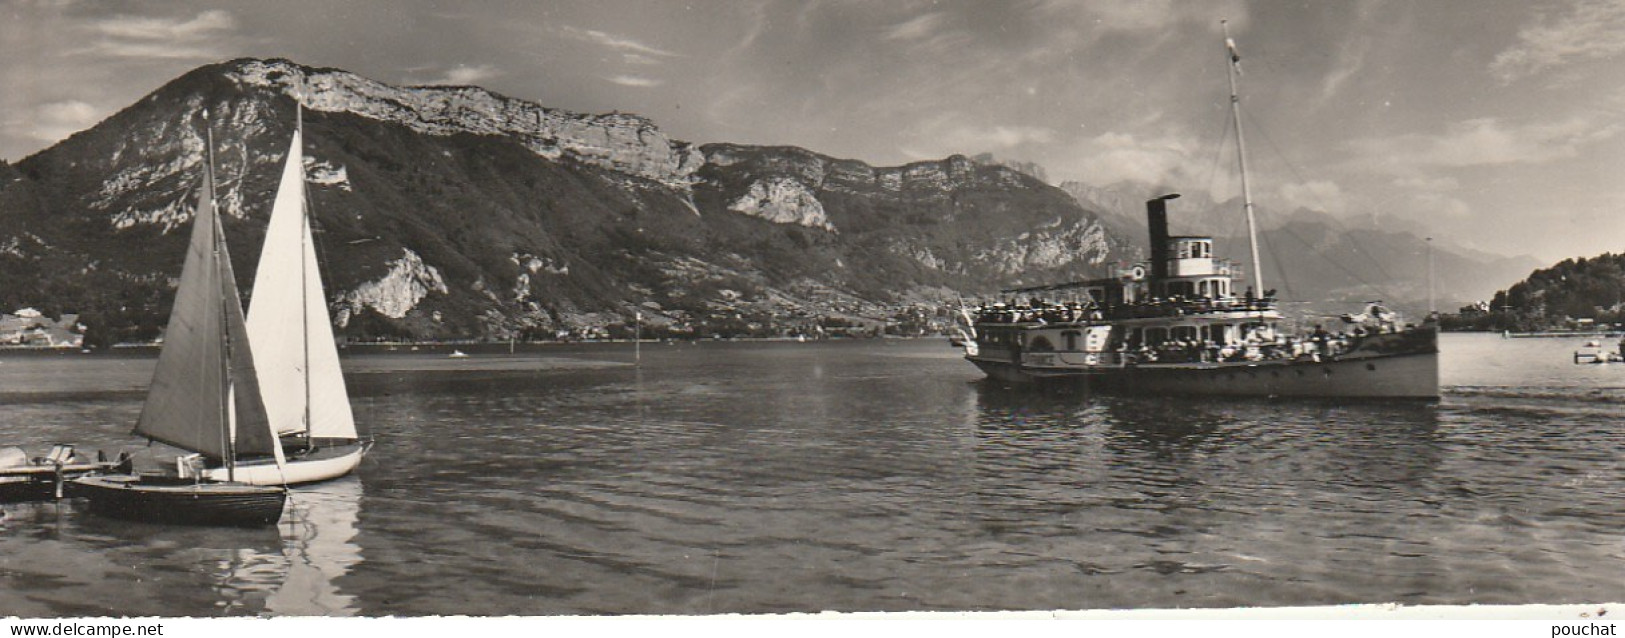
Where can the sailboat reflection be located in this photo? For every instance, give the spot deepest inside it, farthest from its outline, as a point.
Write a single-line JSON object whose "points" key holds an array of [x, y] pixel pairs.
{"points": [[318, 541]]}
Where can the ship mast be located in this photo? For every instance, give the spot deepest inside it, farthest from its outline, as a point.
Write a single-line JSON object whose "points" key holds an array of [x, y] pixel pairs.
{"points": [[1432, 307], [1241, 155]]}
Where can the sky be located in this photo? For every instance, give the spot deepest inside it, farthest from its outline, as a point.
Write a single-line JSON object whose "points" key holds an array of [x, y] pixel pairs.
{"points": [[1495, 124]]}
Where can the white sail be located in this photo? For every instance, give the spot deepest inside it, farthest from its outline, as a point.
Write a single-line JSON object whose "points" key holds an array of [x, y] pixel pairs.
{"points": [[288, 323], [206, 359]]}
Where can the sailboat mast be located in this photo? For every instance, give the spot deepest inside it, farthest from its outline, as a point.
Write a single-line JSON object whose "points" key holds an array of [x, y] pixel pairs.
{"points": [[304, 277], [1241, 155], [230, 443]]}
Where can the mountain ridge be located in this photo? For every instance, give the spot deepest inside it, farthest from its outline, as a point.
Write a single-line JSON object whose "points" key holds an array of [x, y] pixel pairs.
{"points": [[458, 212]]}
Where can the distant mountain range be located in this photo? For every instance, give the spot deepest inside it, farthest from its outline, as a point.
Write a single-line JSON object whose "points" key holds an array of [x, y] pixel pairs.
{"points": [[1315, 257], [455, 212]]}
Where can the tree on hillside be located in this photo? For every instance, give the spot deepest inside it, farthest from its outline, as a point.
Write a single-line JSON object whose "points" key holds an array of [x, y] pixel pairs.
{"points": [[1555, 297]]}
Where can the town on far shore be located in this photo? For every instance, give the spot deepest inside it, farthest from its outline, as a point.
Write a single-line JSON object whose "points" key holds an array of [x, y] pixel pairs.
{"points": [[31, 328]]}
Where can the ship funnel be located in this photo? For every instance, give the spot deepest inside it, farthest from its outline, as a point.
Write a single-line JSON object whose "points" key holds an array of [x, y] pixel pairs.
{"points": [[1156, 217]]}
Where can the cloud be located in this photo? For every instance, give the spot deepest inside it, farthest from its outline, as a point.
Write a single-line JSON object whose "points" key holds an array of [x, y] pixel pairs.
{"points": [[633, 80], [1318, 195], [631, 51], [1000, 136], [57, 120], [946, 135], [756, 14], [1437, 205], [464, 75], [1589, 30], [1484, 142], [1350, 60], [1150, 15], [1430, 198], [1133, 15], [917, 28], [1438, 184], [198, 37], [1114, 157], [931, 33], [148, 28]]}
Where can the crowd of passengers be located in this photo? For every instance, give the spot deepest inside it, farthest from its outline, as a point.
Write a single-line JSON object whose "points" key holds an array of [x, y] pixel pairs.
{"points": [[1259, 345], [1043, 311], [1319, 344]]}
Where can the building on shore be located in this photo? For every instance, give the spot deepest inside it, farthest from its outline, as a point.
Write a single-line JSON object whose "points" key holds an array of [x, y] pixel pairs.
{"points": [[31, 328]]}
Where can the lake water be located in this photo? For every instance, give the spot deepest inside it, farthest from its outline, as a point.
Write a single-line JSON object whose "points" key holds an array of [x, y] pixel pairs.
{"points": [[857, 476]]}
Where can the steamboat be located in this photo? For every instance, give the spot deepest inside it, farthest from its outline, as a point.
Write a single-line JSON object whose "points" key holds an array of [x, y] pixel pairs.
{"points": [[1176, 326]]}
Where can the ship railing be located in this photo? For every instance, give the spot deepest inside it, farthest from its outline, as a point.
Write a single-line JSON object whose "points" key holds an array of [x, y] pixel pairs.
{"points": [[1081, 313], [1073, 312], [1182, 307]]}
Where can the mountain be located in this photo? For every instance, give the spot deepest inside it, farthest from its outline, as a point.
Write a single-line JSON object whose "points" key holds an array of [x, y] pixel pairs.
{"points": [[447, 212], [1313, 256], [1031, 169]]}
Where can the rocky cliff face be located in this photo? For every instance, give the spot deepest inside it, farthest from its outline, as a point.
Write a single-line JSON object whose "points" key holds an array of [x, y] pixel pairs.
{"points": [[457, 212], [783, 200], [395, 294], [984, 225], [617, 141], [1033, 169]]}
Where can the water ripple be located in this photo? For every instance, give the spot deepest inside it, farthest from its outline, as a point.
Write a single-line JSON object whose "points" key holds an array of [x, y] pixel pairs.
{"points": [[764, 478]]}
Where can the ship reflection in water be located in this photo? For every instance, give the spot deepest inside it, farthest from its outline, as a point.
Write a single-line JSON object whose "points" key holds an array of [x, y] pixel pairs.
{"points": [[1295, 499], [861, 476]]}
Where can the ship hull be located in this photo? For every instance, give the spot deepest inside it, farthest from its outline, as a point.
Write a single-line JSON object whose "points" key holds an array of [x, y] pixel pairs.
{"points": [[1406, 376], [180, 501]]}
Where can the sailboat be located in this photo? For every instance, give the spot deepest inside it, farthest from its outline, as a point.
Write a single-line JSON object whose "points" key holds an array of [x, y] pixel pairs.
{"points": [[204, 398], [296, 358]]}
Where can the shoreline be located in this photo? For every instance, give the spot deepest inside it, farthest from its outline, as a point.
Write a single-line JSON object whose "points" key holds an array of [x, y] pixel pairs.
{"points": [[446, 347]]}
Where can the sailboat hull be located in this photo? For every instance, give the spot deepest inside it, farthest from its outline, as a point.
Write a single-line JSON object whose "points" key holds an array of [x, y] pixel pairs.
{"points": [[322, 464], [151, 499]]}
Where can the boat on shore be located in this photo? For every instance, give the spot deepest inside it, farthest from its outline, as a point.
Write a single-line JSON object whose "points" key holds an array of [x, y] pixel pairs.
{"points": [[1177, 326]]}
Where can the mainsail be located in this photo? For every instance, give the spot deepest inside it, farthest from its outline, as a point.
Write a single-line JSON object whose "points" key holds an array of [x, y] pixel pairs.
{"points": [[205, 394], [288, 324]]}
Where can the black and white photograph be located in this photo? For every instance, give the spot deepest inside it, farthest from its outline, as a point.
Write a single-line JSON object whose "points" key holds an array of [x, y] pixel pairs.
{"points": [[766, 308]]}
